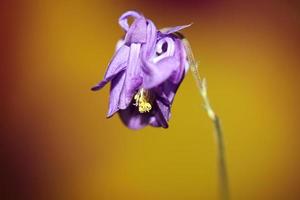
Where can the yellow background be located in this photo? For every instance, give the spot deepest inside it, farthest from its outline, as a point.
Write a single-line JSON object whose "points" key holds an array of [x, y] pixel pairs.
{"points": [[57, 144]]}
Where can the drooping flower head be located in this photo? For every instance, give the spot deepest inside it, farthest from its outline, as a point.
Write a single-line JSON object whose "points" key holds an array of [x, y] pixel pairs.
{"points": [[145, 72]]}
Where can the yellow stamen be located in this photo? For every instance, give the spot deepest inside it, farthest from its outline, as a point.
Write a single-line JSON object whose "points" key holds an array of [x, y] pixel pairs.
{"points": [[142, 99]]}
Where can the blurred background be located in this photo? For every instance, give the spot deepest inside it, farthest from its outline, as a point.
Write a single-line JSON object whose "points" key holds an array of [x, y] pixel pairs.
{"points": [[55, 140]]}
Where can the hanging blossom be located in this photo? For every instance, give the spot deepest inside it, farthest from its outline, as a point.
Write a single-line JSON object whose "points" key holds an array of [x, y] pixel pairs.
{"points": [[145, 72]]}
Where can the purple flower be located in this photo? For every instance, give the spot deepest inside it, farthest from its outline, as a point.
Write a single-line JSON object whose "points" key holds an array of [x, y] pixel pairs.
{"points": [[145, 72]]}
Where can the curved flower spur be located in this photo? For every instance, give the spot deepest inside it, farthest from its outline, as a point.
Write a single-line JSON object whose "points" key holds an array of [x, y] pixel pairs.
{"points": [[145, 72]]}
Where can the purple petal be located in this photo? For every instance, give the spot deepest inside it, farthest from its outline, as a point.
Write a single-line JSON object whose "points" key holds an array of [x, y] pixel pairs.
{"points": [[158, 121], [169, 30], [137, 32], [133, 78], [119, 44], [180, 71], [154, 122], [117, 64], [169, 43], [123, 20], [115, 90], [169, 90], [159, 118], [165, 92], [163, 114], [161, 94], [156, 73], [133, 119], [151, 39]]}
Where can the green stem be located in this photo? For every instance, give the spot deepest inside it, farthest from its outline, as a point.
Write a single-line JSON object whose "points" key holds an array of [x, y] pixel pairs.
{"points": [[201, 83], [224, 187]]}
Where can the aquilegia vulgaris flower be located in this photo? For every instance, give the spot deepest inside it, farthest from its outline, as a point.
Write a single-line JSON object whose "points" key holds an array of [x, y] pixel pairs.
{"points": [[145, 72]]}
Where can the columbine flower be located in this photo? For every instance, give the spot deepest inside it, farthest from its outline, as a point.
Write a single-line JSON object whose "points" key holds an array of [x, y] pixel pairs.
{"points": [[145, 72]]}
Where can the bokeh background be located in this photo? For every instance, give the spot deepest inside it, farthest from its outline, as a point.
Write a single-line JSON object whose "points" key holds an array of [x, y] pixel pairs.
{"points": [[56, 142]]}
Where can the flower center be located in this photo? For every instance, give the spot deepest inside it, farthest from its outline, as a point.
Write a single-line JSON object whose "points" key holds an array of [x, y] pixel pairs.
{"points": [[142, 100]]}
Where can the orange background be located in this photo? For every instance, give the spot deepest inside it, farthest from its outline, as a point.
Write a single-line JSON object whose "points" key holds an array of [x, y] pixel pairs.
{"points": [[57, 144]]}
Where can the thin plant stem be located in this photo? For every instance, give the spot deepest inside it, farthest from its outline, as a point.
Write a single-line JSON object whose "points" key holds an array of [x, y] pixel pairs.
{"points": [[202, 86]]}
